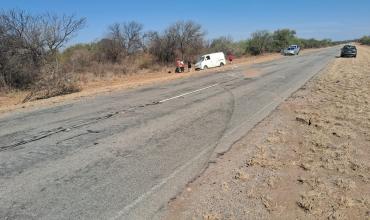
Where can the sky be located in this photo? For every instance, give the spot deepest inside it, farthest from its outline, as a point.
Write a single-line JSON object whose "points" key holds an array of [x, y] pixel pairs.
{"points": [[334, 19]]}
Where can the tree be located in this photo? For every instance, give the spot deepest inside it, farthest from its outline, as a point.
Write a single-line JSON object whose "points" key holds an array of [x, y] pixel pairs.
{"points": [[223, 44], [260, 42], [133, 33], [182, 39], [58, 30], [123, 40], [113, 47], [188, 36], [29, 42], [365, 40], [283, 38], [163, 47]]}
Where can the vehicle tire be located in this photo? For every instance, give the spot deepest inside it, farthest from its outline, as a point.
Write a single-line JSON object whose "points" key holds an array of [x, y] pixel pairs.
{"points": [[222, 64], [205, 67]]}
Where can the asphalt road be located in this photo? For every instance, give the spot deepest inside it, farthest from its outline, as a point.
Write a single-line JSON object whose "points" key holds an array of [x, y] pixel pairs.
{"points": [[124, 155]]}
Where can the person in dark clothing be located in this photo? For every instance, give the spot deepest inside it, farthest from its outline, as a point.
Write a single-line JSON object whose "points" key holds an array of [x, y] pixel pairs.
{"points": [[189, 66], [178, 66]]}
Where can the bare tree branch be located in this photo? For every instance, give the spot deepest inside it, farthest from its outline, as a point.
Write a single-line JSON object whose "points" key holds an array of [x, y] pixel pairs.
{"points": [[59, 30]]}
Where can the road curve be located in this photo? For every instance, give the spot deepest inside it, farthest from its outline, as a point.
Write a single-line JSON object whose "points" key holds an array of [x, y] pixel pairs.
{"points": [[126, 154]]}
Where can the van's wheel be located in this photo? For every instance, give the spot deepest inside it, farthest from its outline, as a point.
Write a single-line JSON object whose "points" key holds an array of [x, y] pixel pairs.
{"points": [[222, 64], [205, 67]]}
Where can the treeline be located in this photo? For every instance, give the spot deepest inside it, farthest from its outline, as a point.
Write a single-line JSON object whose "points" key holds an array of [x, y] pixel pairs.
{"points": [[33, 54], [265, 41], [365, 40], [128, 45]]}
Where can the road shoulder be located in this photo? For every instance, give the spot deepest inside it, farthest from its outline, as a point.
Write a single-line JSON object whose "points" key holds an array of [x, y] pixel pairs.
{"points": [[309, 159]]}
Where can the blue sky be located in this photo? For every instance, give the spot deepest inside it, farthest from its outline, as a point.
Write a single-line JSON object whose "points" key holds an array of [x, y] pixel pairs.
{"points": [[335, 19]]}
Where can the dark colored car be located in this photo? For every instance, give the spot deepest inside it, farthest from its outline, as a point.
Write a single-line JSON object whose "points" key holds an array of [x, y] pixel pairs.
{"points": [[348, 51]]}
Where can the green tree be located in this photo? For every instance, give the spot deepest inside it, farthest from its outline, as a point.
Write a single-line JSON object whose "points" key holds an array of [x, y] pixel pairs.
{"points": [[283, 38], [221, 44], [365, 40], [260, 42]]}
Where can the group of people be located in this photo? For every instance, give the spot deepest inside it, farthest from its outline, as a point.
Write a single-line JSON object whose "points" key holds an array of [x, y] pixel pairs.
{"points": [[180, 66]]}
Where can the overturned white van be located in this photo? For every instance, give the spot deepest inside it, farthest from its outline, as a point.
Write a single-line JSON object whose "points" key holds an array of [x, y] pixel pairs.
{"points": [[211, 60]]}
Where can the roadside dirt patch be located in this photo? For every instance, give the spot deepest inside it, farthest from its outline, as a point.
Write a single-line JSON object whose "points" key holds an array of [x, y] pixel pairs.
{"points": [[310, 159], [252, 73]]}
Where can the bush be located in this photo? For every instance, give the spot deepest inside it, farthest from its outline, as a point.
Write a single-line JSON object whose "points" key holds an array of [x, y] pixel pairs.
{"points": [[30, 42], [313, 43], [282, 38], [183, 39], [264, 41], [226, 45], [260, 42], [54, 83], [365, 40]]}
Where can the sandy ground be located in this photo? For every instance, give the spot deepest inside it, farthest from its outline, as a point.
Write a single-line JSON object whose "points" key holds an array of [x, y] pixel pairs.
{"points": [[310, 159], [13, 101]]}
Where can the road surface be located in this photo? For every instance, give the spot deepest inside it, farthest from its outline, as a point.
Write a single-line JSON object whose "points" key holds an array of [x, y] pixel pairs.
{"points": [[126, 154]]}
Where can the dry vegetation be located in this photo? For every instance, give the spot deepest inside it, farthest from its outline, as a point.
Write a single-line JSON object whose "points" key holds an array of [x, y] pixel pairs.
{"points": [[310, 159], [29, 47]]}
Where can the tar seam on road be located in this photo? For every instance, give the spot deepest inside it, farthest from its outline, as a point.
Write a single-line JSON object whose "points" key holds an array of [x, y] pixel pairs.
{"points": [[56, 131], [109, 115]]}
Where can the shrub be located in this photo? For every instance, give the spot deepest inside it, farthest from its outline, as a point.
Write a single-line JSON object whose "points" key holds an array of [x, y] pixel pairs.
{"points": [[260, 42], [52, 83], [29, 42], [365, 40]]}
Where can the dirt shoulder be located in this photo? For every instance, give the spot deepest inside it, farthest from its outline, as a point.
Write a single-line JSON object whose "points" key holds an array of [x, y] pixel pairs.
{"points": [[13, 101], [310, 159]]}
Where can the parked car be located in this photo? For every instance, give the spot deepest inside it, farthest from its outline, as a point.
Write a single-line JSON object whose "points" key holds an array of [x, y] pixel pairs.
{"points": [[292, 50], [348, 51], [210, 60]]}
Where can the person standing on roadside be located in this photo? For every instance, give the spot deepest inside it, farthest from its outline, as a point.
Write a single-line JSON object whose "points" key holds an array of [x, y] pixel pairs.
{"points": [[230, 57], [189, 66], [182, 66], [178, 66]]}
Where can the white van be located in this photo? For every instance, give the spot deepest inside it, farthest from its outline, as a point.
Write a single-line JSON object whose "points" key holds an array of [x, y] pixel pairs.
{"points": [[211, 60]]}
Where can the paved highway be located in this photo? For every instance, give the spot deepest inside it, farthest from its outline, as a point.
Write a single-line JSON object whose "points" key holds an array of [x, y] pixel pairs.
{"points": [[124, 155]]}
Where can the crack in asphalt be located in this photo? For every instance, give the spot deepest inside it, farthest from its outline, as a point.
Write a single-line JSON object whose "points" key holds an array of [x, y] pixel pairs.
{"points": [[51, 132]]}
